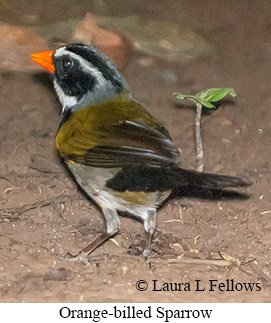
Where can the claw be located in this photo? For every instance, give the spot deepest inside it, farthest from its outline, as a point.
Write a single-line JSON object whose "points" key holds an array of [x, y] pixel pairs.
{"points": [[81, 256]]}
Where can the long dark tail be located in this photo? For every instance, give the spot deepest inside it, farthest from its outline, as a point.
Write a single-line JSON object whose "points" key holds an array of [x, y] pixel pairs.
{"points": [[205, 180], [180, 181]]}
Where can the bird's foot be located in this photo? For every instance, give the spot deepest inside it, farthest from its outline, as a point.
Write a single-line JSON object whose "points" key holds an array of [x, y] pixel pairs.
{"points": [[147, 257], [81, 256], [146, 253]]}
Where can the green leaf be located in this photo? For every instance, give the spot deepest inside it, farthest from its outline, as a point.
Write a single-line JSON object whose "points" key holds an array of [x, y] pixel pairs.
{"points": [[202, 102], [181, 96], [195, 99], [206, 97], [215, 94]]}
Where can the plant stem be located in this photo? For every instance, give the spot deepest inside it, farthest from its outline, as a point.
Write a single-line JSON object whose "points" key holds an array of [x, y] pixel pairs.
{"points": [[199, 148]]}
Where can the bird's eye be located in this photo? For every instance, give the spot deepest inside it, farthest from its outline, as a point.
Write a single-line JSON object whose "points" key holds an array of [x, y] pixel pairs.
{"points": [[67, 63]]}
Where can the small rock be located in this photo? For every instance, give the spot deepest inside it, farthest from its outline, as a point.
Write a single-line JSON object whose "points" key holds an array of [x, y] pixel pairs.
{"points": [[58, 274], [226, 141], [227, 122]]}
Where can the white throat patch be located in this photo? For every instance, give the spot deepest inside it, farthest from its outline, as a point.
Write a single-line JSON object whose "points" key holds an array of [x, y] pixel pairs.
{"points": [[66, 100]]}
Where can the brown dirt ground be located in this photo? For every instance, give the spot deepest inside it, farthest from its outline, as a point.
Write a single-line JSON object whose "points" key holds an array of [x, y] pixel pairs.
{"points": [[43, 214]]}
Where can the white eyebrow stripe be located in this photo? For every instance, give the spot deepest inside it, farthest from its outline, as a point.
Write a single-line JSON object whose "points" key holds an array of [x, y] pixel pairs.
{"points": [[83, 62]]}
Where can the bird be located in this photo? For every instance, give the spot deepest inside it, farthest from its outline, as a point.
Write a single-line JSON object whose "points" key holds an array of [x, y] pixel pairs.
{"points": [[122, 157]]}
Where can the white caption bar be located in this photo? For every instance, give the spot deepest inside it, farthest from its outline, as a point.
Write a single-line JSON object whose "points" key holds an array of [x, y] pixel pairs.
{"points": [[157, 312]]}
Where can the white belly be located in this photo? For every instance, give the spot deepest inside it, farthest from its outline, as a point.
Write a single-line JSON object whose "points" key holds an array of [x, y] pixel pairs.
{"points": [[93, 179]]}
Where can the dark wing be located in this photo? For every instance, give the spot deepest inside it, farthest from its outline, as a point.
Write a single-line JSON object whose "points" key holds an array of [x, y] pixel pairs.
{"points": [[116, 134], [131, 143]]}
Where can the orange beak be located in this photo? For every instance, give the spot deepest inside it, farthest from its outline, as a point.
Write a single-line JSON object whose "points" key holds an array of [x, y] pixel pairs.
{"points": [[45, 60]]}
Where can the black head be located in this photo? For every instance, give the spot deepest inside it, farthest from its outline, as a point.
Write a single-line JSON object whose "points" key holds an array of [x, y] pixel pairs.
{"points": [[82, 71]]}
